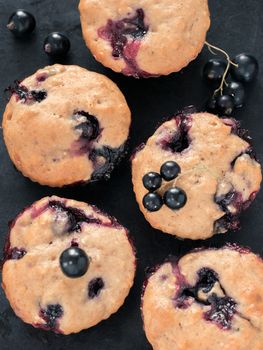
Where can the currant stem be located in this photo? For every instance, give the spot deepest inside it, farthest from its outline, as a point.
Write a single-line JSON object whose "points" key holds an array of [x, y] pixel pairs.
{"points": [[229, 63]]}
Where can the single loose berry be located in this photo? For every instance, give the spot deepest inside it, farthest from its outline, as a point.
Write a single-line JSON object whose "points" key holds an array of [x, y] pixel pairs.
{"points": [[56, 45], [21, 23]]}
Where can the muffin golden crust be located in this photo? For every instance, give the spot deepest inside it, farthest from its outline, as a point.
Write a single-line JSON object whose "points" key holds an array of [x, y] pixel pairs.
{"points": [[65, 125], [34, 281], [217, 173], [210, 299], [144, 38]]}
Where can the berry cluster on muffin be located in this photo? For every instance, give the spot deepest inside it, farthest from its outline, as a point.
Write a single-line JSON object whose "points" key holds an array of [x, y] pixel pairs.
{"points": [[213, 175]]}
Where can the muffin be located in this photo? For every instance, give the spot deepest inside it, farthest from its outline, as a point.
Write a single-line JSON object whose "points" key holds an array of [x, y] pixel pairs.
{"points": [[209, 299], [80, 262], [195, 175], [146, 38], [64, 125]]}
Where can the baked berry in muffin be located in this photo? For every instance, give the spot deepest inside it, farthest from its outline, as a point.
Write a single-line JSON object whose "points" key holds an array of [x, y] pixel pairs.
{"points": [[195, 175], [65, 125], [144, 38], [209, 299], [80, 262]]}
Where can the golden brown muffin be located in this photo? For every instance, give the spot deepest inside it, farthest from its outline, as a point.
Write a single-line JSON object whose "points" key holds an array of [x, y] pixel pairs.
{"points": [[40, 290], [217, 175], [65, 125], [144, 38], [210, 299]]}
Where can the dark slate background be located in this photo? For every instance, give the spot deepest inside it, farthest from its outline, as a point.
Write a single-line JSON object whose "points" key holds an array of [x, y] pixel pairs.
{"points": [[236, 27]]}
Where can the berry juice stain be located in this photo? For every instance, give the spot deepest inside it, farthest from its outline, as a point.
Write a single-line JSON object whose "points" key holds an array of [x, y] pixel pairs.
{"points": [[125, 37]]}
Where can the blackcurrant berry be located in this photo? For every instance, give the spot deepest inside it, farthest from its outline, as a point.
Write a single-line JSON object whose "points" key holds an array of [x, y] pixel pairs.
{"points": [[152, 181], [214, 70], [236, 90], [56, 45], [152, 201], [74, 262], [175, 198], [170, 170], [21, 23], [247, 69], [225, 104]]}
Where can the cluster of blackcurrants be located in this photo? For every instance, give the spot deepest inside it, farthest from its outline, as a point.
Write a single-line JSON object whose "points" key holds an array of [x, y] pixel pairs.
{"points": [[174, 198], [22, 23], [231, 93]]}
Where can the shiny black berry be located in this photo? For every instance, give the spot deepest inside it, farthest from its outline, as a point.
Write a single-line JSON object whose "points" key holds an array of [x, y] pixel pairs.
{"points": [[247, 69], [21, 23], [152, 181], [152, 201], [237, 91], [56, 45], [214, 70], [225, 104], [170, 170], [175, 198], [74, 262]]}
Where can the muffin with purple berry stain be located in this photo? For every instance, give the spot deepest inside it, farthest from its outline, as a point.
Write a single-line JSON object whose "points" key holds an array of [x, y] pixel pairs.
{"points": [[64, 125], [80, 261], [144, 38], [195, 175], [209, 299]]}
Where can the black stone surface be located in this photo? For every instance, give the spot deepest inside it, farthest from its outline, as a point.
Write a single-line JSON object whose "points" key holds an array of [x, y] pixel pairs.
{"points": [[236, 27]]}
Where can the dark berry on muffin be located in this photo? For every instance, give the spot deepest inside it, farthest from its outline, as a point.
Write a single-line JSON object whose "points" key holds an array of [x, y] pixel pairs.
{"points": [[76, 267], [95, 286], [214, 167]]}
